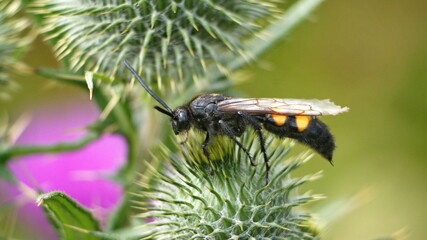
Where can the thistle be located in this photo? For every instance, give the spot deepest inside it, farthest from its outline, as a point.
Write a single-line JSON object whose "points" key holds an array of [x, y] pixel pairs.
{"points": [[226, 198], [164, 38]]}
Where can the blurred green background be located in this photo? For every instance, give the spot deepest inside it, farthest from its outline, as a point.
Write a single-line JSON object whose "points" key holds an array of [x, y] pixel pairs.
{"points": [[370, 56]]}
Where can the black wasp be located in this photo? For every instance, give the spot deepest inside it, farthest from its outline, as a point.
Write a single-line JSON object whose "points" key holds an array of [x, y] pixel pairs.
{"points": [[217, 114]]}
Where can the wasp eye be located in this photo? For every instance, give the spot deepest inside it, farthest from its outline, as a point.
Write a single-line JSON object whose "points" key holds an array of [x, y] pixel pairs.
{"points": [[181, 120], [182, 117]]}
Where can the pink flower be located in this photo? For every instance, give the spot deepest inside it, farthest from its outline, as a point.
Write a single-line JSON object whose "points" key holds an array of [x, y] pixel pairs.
{"points": [[81, 174]]}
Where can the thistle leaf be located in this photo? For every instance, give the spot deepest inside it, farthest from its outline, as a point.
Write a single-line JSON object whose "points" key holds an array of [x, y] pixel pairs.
{"points": [[67, 216]]}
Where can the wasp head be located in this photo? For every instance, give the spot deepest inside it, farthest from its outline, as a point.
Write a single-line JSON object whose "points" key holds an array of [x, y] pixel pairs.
{"points": [[180, 117], [181, 120]]}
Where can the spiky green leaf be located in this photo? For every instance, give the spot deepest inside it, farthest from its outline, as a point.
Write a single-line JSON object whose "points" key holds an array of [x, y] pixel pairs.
{"points": [[70, 219]]}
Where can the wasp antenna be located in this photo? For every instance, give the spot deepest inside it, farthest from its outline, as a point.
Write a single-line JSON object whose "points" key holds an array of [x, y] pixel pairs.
{"points": [[145, 86], [164, 111]]}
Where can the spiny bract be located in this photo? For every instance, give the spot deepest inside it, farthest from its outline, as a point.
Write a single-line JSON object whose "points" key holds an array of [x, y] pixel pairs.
{"points": [[174, 38], [188, 201]]}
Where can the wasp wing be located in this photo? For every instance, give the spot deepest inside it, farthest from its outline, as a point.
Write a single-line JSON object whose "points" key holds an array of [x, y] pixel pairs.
{"points": [[300, 107]]}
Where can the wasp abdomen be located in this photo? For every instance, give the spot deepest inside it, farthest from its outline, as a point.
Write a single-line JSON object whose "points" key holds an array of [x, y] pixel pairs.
{"points": [[305, 129]]}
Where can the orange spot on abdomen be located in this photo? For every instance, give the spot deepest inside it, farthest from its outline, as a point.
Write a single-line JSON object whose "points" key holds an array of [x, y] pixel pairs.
{"points": [[302, 122], [279, 120]]}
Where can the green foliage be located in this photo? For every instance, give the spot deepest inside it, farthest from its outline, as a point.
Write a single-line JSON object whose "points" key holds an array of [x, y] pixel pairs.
{"points": [[227, 198], [12, 42], [66, 216], [7, 221], [173, 38]]}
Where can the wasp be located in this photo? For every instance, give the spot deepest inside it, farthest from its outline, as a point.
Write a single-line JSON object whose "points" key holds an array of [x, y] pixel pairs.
{"points": [[217, 114]]}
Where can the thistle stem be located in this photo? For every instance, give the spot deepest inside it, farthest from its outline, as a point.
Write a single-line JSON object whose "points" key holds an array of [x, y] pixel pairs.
{"points": [[15, 151]]}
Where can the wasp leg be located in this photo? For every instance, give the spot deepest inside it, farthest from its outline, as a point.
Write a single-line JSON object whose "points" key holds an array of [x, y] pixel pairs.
{"points": [[257, 127], [185, 139], [230, 134], [207, 141]]}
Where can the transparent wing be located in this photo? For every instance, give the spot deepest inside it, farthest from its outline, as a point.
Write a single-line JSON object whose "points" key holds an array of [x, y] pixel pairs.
{"points": [[301, 107]]}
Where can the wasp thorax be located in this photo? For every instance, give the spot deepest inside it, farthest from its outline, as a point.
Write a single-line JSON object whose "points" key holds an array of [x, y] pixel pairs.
{"points": [[181, 120]]}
